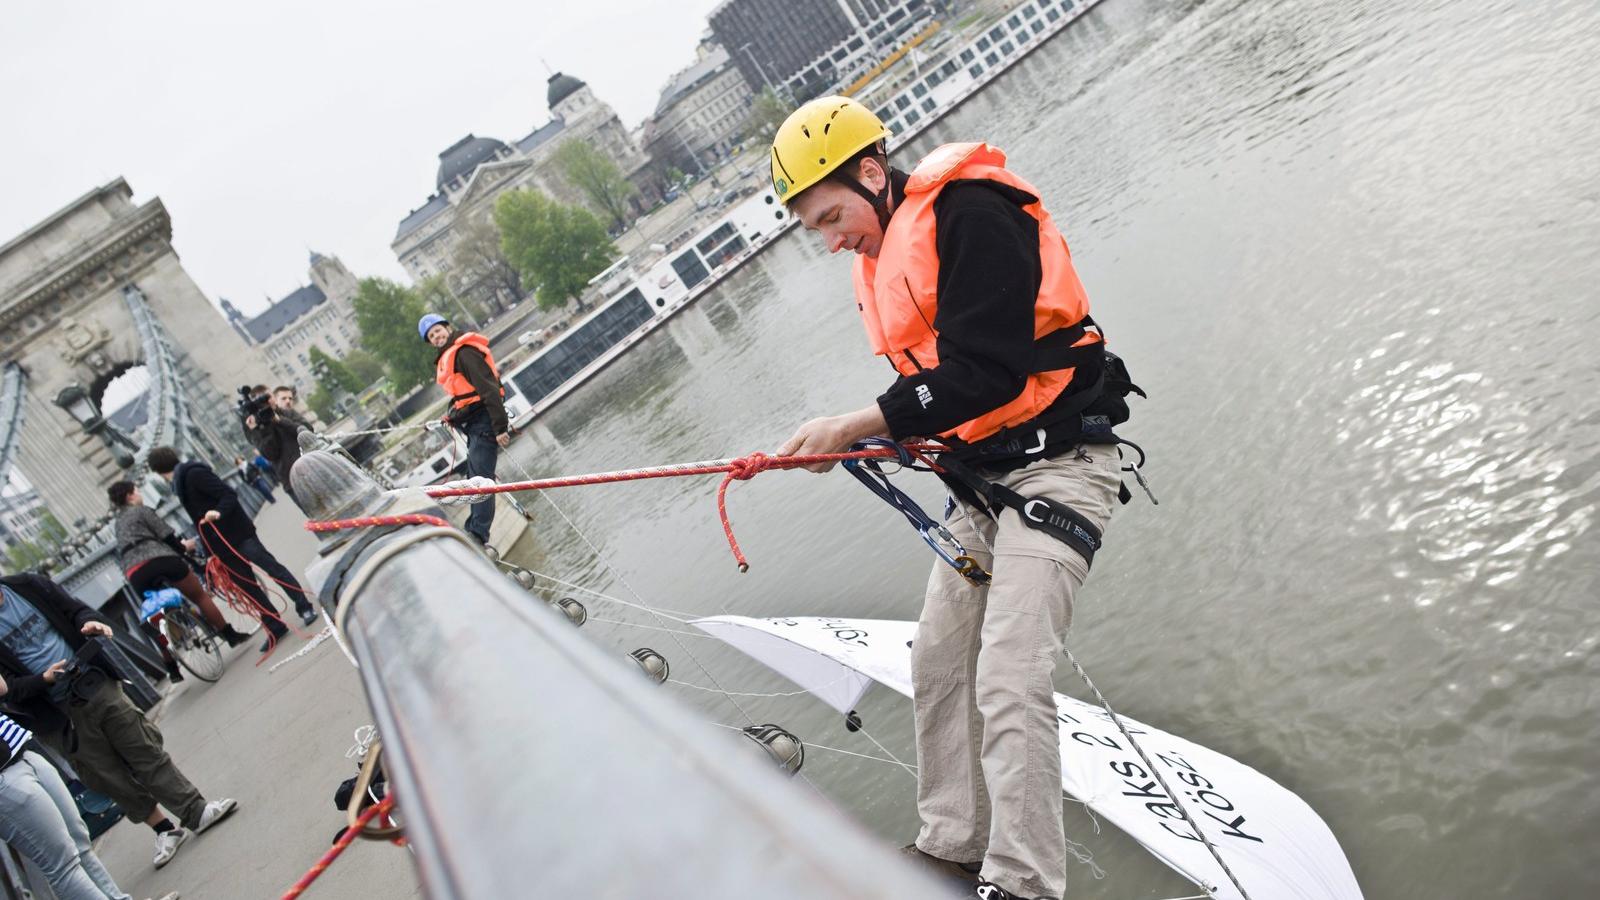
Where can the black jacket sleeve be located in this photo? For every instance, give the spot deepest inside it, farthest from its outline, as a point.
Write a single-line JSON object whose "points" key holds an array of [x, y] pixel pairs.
{"points": [[472, 365], [989, 275], [213, 492]]}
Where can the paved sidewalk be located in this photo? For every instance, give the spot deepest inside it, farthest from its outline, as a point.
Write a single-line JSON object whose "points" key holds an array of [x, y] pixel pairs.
{"points": [[276, 743]]}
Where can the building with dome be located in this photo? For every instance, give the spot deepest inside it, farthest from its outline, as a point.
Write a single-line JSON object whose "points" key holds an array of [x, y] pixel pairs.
{"points": [[436, 237], [320, 314]]}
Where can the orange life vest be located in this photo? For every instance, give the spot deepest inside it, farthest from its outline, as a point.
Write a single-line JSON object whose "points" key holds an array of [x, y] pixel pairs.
{"points": [[898, 291], [461, 391]]}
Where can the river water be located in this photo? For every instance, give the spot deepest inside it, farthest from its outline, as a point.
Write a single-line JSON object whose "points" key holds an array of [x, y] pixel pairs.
{"points": [[1350, 250]]}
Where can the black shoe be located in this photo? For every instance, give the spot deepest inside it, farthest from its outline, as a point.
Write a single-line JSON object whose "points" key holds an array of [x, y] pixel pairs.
{"points": [[267, 645], [308, 616], [174, 675], [233, 636], [965, 873]]}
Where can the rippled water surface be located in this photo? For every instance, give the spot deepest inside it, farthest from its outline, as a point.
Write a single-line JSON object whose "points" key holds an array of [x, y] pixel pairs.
{"points": [[1350, 249]]}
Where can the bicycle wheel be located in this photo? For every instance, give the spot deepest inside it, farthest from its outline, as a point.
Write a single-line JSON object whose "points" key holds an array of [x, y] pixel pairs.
{"points": [[194, 644]]}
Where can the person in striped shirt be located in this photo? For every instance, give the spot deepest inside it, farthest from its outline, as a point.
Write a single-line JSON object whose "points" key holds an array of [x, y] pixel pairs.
{"points": [[39, 818]]}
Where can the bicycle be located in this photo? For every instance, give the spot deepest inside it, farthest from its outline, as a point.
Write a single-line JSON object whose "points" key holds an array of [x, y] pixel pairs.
{"points": [[190, 638]]}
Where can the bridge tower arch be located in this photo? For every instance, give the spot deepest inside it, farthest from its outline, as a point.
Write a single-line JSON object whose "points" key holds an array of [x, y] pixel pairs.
{"points": [[86, 294]]}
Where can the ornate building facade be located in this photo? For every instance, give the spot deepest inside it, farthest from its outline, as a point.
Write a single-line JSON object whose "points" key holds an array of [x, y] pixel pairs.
{"points": [[321, 314], [433, 239], [701, 113]]}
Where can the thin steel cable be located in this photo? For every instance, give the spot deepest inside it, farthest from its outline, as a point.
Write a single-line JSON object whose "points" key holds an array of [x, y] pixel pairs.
{"points": [[604, 561], [1117, 720]]}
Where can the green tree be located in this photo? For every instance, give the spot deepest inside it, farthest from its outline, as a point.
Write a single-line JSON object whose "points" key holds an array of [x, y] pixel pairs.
{"points": [[480, 269], [332, 373], [321, 403], [767, 112], [367, 368], [25, 556], [557, 248], [387, 314], [594, 173]]}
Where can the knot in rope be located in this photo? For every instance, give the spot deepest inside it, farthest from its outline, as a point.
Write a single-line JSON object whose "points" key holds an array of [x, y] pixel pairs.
{"points": [[744, 468], [475, 487]]}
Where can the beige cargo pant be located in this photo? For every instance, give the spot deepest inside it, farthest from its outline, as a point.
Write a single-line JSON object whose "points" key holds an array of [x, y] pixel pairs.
{"points": [[981, 668]]}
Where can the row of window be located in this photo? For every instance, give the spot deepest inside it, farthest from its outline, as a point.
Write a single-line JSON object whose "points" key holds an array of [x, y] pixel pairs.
{"points": [[994, 45]]}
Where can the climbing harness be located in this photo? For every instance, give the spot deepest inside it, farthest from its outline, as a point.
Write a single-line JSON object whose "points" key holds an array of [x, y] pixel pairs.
{"points": [[870, 473]]}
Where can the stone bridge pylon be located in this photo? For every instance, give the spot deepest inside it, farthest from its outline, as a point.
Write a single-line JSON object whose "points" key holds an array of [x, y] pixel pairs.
{"points": [[94, 290]]}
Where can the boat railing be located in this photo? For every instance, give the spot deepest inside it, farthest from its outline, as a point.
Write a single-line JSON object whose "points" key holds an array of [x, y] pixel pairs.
{"points": [[528, 760]]}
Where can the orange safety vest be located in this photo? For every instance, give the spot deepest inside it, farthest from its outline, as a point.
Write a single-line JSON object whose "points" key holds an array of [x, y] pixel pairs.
{"points": [[899, 298], [461, 392]]}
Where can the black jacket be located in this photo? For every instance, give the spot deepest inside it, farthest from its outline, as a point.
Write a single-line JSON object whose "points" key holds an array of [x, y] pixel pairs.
{"points": [[199, 490], [279, 441], [28, 696], [988, 284]]}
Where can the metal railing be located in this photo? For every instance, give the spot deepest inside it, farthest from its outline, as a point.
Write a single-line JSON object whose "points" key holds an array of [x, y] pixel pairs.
{"points": [[527, 761]]}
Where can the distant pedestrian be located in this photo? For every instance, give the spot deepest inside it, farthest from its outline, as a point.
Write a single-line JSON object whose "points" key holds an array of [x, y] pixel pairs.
{"points": [[465, 369], [253, 477]]}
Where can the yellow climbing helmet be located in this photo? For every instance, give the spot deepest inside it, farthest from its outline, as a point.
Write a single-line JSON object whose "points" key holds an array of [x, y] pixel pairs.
{"points": [[816, 139]]}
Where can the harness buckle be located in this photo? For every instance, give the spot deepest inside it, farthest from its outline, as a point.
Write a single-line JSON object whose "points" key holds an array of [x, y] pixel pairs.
{"points": [[971, 570]]}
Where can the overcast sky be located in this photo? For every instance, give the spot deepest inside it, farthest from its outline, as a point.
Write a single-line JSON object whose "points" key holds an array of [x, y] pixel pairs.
{"points": [[272, 128]]}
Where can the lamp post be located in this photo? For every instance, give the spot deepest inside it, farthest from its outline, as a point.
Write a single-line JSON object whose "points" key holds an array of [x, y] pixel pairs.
{"points": [[80, 405]]}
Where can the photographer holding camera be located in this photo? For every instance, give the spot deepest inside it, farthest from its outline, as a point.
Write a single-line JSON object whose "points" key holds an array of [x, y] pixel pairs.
{"points": [[273, 425], [75, 703]]}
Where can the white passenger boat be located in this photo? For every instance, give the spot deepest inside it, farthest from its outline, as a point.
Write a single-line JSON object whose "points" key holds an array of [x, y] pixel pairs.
{"points": [[640, 303]]}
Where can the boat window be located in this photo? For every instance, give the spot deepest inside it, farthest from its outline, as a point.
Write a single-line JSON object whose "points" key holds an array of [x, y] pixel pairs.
{"points": [[976, 70], [997, 33], [902, 101], [690, 269], [949, 68], [992, 58], [581, 346], [968, 55], [982, 44], [912, 116], [929, 105], [919, 89], [934, 78], [1006, 48], [1052, 15], [1029, 12]]}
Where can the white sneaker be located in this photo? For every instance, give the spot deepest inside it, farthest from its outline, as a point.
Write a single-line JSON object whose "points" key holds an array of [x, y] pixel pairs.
{"points": [[215, 812], [167, 844]]}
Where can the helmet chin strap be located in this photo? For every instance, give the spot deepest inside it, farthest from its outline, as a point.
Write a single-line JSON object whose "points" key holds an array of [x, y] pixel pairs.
{"points": [[879, 200]]}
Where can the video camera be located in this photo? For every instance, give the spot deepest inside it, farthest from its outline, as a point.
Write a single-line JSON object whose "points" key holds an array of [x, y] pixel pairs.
{"points": [[253, 404]]}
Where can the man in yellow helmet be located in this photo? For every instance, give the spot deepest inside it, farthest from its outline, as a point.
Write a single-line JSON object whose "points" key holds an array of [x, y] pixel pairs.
{"points": [[965, 285]]}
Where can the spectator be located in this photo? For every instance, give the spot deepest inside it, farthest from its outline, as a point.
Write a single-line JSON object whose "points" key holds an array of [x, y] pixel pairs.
{"points": [[230, 536], [40, 819], [253, 476], [275, 432], [154, 557], [110, 744]]}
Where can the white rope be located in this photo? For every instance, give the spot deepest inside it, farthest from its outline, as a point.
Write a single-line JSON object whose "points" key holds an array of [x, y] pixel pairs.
{"points": [[387, 430], [650, 627], [604, 561], [476, 482], [314, 643], [677, 615]]}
